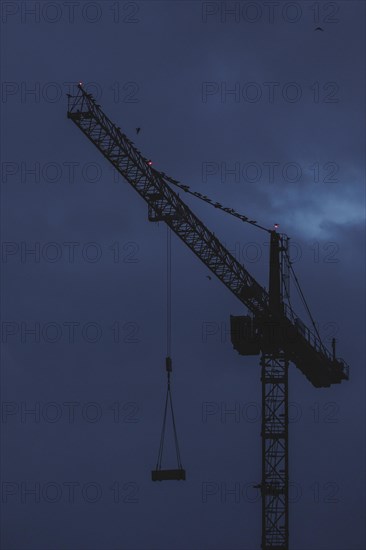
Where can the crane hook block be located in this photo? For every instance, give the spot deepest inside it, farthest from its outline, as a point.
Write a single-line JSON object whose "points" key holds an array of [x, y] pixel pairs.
{"points": [[168, 475], [168, 364]]}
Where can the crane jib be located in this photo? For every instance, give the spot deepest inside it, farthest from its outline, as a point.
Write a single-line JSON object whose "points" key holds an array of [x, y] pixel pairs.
{"points": [[165, 204]]}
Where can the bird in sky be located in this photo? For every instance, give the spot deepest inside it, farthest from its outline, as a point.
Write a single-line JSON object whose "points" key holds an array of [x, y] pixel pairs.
{"points": [[138, 130], [208, 277], [319, 29]]}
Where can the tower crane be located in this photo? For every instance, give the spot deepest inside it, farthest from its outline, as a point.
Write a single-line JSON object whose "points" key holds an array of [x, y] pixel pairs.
{"points": [[273, 331]]}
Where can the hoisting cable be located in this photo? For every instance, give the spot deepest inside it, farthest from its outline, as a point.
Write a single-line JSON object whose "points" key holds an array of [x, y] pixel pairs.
{"points": [[161, 474], [168, 292]]}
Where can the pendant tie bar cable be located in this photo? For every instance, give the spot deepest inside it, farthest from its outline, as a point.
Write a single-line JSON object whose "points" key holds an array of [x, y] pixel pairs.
{"points": [[206, 199]]}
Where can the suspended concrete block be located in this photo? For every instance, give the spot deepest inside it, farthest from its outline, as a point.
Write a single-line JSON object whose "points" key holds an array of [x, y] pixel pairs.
{"points": [[165, 475]]}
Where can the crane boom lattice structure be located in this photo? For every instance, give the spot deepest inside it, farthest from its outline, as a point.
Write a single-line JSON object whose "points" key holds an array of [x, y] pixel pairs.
{"points": [[274, 331]]}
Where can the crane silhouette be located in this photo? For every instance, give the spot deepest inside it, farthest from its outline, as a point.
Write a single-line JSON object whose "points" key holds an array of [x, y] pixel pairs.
{"points": [[273, 330]]}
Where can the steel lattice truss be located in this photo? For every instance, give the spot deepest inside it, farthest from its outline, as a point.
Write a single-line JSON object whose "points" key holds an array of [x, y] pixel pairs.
{"points": [[165, 204], [275, 474]]}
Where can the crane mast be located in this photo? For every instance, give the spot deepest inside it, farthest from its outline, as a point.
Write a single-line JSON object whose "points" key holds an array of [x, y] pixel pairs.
{"points": [[274, 363], [274, 330]]}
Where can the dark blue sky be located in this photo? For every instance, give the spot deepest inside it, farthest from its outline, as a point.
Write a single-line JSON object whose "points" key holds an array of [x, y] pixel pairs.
{"points": [[296, 108]]}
